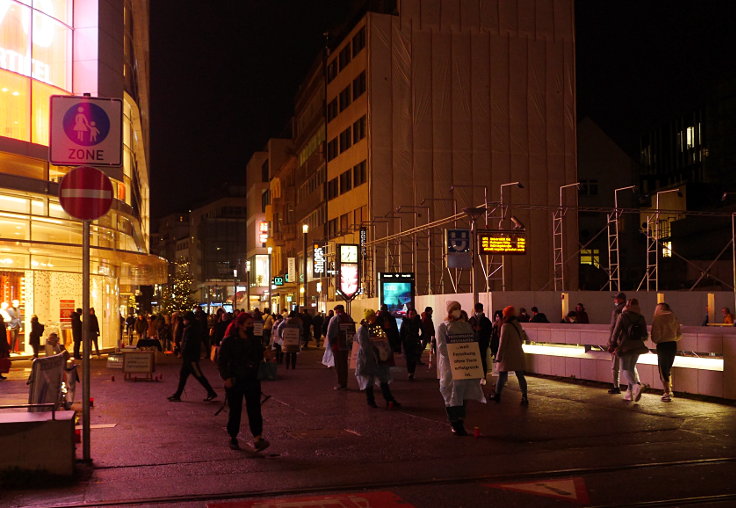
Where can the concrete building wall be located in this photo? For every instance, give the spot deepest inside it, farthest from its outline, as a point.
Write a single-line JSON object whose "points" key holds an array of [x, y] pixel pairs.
{"points": [[479, 93]]}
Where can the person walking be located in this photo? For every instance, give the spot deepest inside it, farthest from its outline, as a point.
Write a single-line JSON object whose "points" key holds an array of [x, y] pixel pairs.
{"points": [[141, 326], [411, 328], [510, 356], [326, 322], [427, 337], [317, 321], [455, 392], [241, 353], [483, 329], [268, 320], [77, 332], [94, 330], [129, 327], [4, 351], [619, 302], [337, 338], [374, 361], [34, 339], [666, 332], [388, 321], [627, 341], [191, 350], [293, 322]]}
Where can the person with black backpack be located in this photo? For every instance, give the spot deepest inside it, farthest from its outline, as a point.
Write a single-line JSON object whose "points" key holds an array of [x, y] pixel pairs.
{"points": [[241, 354], [627, 343]]}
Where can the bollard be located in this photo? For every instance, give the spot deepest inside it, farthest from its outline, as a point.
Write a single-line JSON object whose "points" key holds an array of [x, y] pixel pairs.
{"points": [[77, 436], [91, 402], [113, 379], [476, 432]]}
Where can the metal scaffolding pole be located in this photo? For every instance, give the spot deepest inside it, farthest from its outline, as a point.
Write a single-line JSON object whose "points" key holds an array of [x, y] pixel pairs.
{"points": [[558, 239]]}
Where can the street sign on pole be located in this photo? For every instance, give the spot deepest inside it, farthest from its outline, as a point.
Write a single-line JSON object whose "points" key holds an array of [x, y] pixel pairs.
{"points": [[85, 193], [86, 130]]}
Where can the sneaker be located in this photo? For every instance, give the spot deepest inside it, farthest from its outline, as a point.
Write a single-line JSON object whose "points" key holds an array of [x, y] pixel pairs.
{"points": [[638, 390], [483, 381], [211, 396], [627, 396], [260, 444], [411, 377], [234, 445], [174, 398], [614, 391], [666, 397]]}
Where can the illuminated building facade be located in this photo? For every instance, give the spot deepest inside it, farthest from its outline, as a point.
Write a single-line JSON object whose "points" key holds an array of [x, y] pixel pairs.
{"points": [[71, 47], [258, 230]]}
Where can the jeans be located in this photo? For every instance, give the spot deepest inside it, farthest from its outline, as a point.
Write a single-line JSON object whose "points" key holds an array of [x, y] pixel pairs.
{"points": [[193, 368], [504, 376], [666, 352], [615, 368], [628, 369], [484, 345], [290, 360], [251, 391]]}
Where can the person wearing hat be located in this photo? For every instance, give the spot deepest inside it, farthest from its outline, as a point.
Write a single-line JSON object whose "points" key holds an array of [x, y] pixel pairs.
{"points": [[510, 355], [241, 354], [191, 350], [619, 302], [455, 392], [374, 361]]}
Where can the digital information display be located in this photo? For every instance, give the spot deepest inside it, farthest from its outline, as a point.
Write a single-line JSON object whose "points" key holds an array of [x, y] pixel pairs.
{"points": [[501, 242]]}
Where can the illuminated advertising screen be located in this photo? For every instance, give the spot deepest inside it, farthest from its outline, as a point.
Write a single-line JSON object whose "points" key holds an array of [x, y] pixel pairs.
{"points": [[348, 271], [396, 291], [502, 242]]}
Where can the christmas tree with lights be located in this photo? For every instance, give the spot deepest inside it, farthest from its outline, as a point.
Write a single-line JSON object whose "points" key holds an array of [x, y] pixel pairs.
{"points": [[177, 294]]}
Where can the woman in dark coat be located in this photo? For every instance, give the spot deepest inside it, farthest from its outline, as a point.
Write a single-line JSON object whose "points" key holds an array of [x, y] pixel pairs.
{"points": [[411, 327], [34, 339], [510, 355]]}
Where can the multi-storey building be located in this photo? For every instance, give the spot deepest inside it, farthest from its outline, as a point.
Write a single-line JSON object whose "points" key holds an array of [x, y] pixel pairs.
{"points": [[258, 229], [71, 47], [433, 110]]}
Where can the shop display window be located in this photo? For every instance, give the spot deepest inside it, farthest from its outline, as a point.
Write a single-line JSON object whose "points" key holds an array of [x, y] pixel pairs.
{"points": [[13, 227], [15, 115], [19, 165], [16, 261], [56, 231], [41, 109], [13, 204]]}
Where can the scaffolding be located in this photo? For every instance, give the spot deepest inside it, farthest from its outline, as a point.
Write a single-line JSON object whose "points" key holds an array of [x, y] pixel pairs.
{"points": [[614, 269]]}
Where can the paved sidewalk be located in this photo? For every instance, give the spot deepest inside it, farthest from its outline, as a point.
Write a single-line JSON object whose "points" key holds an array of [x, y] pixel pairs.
{"points": [[146, 448]]}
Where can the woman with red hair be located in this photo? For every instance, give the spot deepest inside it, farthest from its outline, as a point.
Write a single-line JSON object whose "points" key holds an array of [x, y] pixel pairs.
{"points": [[510, 356]]}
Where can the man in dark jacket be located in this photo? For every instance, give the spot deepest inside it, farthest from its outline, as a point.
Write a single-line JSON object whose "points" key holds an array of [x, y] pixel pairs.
{"points": [[483, 329], [538, 317], [191, 349], [317, 321], [411, 328], [389, 325], [240, 355], [77, 332], [619, 302], [94, 330]]}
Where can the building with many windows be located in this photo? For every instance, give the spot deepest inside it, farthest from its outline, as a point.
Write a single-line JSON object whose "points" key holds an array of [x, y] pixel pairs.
{"points": [[434, 109], [71, 47]]}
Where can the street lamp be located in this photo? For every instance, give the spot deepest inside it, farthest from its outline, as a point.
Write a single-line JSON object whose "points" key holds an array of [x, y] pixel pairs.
{"points": [[305, 232], [500, 226], [235, 287], [473, 214]]}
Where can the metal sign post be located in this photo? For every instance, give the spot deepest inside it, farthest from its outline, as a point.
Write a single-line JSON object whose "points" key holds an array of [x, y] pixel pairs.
{"points": [[87, 344]]}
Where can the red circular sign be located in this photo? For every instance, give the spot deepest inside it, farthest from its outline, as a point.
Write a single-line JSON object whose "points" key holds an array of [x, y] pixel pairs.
{"points": [[85, 193]]}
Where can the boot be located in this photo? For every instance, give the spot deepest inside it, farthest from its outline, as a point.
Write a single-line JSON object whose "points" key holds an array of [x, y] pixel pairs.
{"points": [[370, 398], [458, 428]]}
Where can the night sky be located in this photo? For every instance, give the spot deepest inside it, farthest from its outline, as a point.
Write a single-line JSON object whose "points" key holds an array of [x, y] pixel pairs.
{"points": [[224, 75]]}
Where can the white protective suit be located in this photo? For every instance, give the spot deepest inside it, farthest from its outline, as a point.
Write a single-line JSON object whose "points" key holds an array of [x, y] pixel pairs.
{"points": [[454, 392]]}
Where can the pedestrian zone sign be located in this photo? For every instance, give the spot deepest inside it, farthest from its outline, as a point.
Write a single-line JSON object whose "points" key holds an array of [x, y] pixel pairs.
{"points": [[85, 130]]}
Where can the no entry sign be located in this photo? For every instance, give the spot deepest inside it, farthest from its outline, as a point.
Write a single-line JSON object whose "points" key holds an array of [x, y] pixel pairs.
{"points": [[85, 193]]}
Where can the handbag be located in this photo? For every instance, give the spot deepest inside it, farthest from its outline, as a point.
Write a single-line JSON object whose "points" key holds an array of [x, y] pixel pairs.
{"points": [[267, 371], [4, 365]]}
